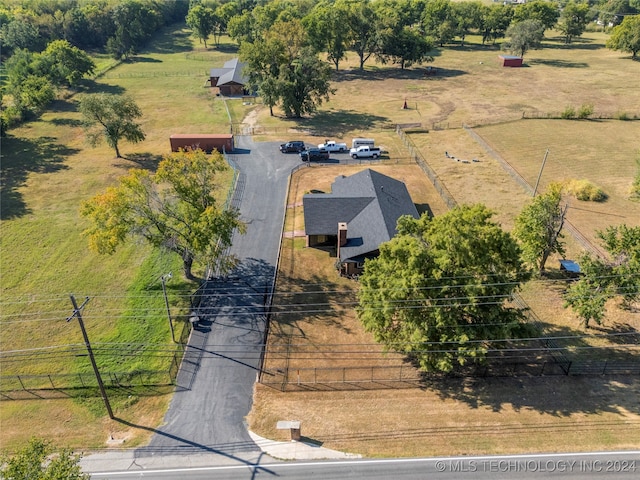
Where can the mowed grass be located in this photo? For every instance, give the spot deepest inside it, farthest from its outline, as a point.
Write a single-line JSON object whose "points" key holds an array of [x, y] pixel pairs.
{"points": [[472, 87], [48, 171], [469, 416]]}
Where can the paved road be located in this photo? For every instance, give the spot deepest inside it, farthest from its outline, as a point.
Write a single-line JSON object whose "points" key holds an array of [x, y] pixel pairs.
{"points": [[610, 466], [215, 385]]}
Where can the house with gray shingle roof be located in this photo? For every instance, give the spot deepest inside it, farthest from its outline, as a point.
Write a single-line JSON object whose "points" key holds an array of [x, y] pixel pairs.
{"points": [[359, 214], [229, 79]]}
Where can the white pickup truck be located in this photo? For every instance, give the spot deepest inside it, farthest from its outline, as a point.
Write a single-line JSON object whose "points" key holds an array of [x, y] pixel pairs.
{"points": [[365, 152], [331, 146]]}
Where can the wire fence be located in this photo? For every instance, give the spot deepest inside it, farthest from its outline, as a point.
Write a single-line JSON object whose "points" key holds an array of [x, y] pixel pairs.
{"points": [[417, 156], [619, 115], [12, 384], [406, 376], [511, 170], [110, 74]]}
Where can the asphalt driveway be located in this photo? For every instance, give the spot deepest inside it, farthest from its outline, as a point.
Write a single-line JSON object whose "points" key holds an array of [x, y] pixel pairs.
{"points": [[215, 384]]}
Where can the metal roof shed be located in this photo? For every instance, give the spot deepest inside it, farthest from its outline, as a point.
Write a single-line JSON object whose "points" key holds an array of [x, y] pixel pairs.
{"points": [[511, 60]]}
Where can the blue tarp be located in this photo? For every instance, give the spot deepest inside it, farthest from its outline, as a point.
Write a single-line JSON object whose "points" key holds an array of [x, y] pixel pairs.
{"points": [[569, 266]]}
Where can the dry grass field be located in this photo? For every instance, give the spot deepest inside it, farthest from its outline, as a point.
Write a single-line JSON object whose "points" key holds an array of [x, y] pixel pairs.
{"points": [[485, 415], [55, 171], [447, 416]]}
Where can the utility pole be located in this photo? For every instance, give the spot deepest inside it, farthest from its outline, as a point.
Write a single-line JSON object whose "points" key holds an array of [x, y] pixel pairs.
{"points": [[164, 279], [77, 314], [544, 160]]}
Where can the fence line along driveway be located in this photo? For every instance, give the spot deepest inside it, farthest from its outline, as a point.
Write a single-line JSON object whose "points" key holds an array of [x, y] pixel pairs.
{"points": [[215, 385]]}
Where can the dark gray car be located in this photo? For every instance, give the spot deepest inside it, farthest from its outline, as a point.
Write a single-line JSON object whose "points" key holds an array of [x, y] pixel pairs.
{"points": [[294, 146]]}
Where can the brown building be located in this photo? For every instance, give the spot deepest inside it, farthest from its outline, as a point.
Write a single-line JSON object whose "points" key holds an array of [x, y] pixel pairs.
{"points": [[229, 79]]}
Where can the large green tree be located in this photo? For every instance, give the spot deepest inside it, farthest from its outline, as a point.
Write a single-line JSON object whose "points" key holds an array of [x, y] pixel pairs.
{"points": [[439, 21], [545, 12], [573, 20], [604, 279], [524, 36], [111, 118], [174, 209], [362, 26], [468, 16], [438, 291], [626, 36], [325, 25], [39, 460], [202, 20], [495, 22], [304, 84], [405, 46], [538, 227], [135, 21], [64, 64], [20, 33], [285, 69]]}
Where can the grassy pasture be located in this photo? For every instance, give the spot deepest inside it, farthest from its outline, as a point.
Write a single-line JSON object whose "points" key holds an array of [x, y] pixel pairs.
{"points": [[47, 171], [495, 415], [450, 416], [472, 87]]}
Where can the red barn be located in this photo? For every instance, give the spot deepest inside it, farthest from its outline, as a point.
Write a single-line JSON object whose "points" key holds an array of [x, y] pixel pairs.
{"points": [[511, 60], [203, 141]]}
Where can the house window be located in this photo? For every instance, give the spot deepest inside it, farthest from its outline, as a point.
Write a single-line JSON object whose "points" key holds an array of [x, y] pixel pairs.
{"points": [[360, 265]]}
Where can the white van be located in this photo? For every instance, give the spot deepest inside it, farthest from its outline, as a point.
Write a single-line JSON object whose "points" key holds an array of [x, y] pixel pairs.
{"points": [[360, 142]]}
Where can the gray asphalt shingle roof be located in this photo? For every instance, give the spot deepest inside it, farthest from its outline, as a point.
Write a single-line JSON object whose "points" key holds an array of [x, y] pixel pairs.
{"points": [[369, 202]]}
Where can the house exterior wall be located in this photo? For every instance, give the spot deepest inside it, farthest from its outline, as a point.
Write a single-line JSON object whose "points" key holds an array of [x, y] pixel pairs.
{"points": [[230, 90], [315, 240]]}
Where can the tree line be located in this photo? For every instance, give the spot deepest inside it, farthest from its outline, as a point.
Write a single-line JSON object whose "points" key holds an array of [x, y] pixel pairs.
{"points": [[440, 291], [280, 39]]}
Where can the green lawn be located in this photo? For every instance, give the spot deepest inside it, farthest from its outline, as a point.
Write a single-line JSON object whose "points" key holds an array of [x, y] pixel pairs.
{"points": [[47, 172]]}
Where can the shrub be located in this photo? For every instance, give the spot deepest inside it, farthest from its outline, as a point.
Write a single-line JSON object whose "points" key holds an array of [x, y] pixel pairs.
{"points": [[585, 110], [568, 113], [621, 116], [586, 191]]}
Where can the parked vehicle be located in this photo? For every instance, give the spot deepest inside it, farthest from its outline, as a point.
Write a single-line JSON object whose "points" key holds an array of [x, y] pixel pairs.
{"points": [[361, 142], [332, 146], [365, 152], [294, 146], [312, 154]]}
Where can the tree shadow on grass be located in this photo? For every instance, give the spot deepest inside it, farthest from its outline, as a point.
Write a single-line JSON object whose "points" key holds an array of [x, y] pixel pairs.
{"points": [[144, 160], [170, 40], [338, 122], [382, 74], [107, 88], [577, 44], [558, 396], [306, 300], [558, 63], [140, 59], [22, 157]]}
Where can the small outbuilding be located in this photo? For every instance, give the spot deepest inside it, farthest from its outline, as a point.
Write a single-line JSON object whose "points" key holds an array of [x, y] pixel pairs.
{"points": [[207, 142], [229, 79], [511, 60]]}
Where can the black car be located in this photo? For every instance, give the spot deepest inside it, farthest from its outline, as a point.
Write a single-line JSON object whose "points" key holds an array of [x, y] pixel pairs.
{"points": [[295, 146], [314, 154]]}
